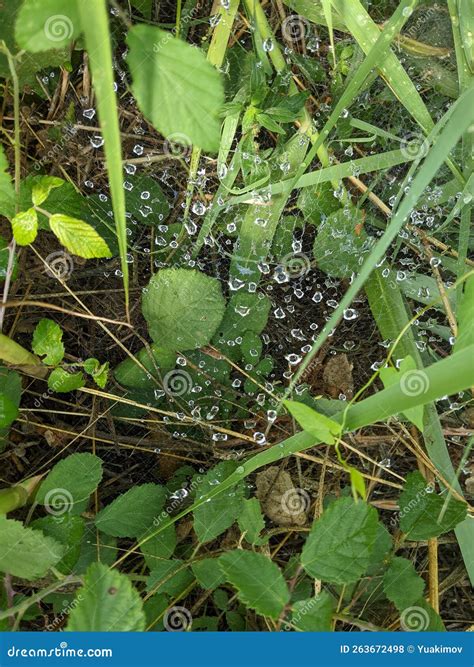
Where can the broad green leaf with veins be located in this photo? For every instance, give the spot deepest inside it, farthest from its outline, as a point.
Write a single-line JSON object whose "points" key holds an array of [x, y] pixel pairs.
{"points": [[78, 237]]}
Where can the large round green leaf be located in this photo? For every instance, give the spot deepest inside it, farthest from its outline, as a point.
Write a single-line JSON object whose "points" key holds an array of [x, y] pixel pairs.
{"points": [[183, 308]]}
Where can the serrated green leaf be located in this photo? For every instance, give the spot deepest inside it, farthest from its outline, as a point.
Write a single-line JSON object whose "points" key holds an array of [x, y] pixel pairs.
{"points": [[25, 552], [159, 546], [78, 237], [95, 547], [258, 580], [401, 583], [169, 576], [186, 87], [99, 372], [183, 308], [25, 226], [132, 513], [424, 513], [212, 518], [70, 483], [106, 603], [47, 341], [323, 428], [68, 531], [250, 520], [315, 614], [43, 187], [42, 25], [339, 546], [207, 573], [421, 617], [62, 381]]}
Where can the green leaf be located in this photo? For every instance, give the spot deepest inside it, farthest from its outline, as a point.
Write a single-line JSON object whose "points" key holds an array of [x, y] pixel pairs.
{"points": [[99, 372], [401, 584], [70, 483], [159, 546], [465, 317], [425, 514], [10, 394], [96, 546], [409, 376], [42, 25], [339, 546], [106, 603], [25, 226], [68, 531], [251, 521], [169, 576], [25, 552], [185, 88], [340, 248], [78, 237], [43, 187], [132, 513], [143, 6], [207, 573], [315, 614], [153, 357], [324, 429], [62, 382], [47, 340], [183, 308], [214, 517], [258, 580], [421, 617]]}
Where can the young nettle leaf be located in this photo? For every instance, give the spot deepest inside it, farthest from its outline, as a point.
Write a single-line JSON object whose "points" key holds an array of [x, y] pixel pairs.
{"points": [[43, 186], [25, 552], [401, 584], [70, 483], [25, 226], [251, 521], [47, 341], [78, 237], [99, 372], [207, 573], [169, 576], [212, 518], [62, 381], [323, 428], [183, 308], [68, 530], [10, 394], [186, 88], [424, 513], [258, 580], [106, 603], [132, 513], [340, 544], [42, 25], [410, 379], [315, 614]]}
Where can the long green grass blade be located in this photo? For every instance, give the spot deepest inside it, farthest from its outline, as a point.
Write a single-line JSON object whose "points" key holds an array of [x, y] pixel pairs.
{"points": [[95, 25]]}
